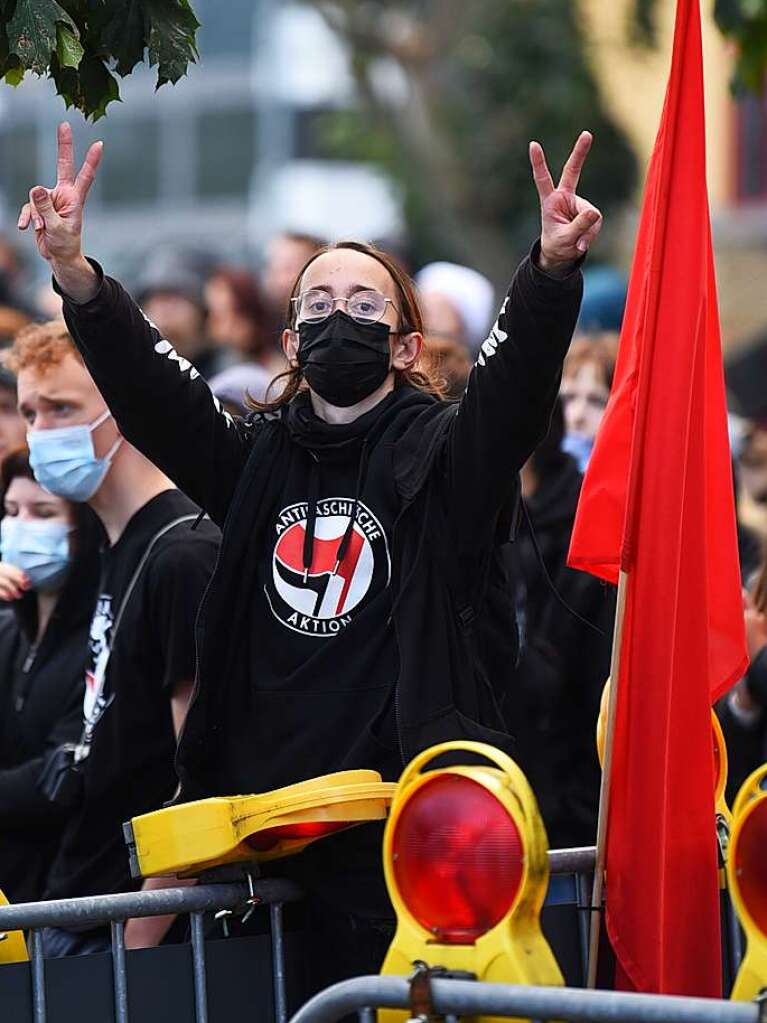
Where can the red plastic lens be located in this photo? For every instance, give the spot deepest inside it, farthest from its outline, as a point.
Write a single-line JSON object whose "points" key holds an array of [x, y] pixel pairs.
{"points": [[751, 865], [457, 858], [265, 840]]}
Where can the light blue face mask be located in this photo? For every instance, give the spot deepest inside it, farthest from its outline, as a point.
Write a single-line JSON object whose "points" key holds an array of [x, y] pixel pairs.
{"points": [[41, 549], [580, 447], [64, 461]]}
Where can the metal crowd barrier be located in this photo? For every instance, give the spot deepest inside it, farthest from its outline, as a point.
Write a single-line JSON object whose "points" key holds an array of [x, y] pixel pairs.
{"points": [[116, 909], [453, 998], [565, 921]]}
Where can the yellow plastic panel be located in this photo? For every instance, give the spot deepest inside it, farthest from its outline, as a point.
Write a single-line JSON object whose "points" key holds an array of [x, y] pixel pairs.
{"points": [[195, 836], [13, 948], [747, 878]]}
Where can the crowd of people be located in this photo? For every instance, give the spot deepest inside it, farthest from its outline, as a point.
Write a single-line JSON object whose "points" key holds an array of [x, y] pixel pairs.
{"points": [[213, 582]]}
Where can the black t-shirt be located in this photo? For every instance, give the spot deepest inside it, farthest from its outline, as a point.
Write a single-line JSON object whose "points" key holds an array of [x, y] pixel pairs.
{"points": [[130, 767]]}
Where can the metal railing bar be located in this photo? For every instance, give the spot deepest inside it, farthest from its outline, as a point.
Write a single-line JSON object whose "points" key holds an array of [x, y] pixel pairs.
{"points": [[585, 886], [468, 998], [39, 1011], [278, 964], [366, 1015], [119, 971], [580, 860], [198, 966], [102, 909]]}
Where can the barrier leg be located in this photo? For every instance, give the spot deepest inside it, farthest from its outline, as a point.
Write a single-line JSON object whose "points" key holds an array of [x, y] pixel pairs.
{"points": [[584, 885], [39, 1012], [278, 963], [119, 971], [198, 965]]}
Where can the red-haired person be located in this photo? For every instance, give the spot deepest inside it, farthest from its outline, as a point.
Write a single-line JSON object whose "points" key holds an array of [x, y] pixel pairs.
{"points": [[48, 580], [140, 665], [360, 611], [587, 377]]}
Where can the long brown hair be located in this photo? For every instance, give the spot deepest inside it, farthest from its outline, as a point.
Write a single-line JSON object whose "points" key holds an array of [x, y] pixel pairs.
{"points": [[423, 375]]}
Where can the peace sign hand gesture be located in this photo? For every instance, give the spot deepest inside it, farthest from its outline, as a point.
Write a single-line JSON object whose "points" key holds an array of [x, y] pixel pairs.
{"points": [[569, 224], [57, 213]]}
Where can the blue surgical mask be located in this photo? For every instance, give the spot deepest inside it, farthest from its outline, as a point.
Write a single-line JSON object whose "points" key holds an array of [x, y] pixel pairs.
{"points": [[64, 461], [580, 447], [41, 549]]}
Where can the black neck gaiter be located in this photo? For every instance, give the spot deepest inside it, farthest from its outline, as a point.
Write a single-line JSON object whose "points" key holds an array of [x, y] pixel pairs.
{"points": [[342, 360]]}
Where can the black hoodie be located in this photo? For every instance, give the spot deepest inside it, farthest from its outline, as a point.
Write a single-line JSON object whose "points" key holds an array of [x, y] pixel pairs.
{"points": [[564, 663], [432, 488], [41, 695]]}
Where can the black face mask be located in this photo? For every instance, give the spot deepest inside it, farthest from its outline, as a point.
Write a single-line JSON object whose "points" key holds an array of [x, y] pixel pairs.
{"points": [[344, 361]]}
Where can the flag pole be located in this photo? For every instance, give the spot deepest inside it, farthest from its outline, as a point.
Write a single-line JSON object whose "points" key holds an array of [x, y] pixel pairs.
{"points": [[604, 789]]}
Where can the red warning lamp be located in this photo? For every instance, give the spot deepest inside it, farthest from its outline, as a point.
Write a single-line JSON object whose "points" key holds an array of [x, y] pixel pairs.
{"points": [[263, 841], [466, 869], [750, 861], [747, 881], [457, 858]]}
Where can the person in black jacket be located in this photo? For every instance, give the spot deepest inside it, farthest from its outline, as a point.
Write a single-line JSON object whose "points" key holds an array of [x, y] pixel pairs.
{"points": [[360, 610], [566, 621], [743, 710], [48, 579]]}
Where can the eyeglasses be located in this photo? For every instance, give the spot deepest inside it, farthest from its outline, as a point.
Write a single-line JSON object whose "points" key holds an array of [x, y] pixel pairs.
{"points": [[363, 306]]}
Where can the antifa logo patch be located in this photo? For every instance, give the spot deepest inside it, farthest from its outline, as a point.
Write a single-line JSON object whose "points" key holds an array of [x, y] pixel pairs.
{"points": [[322, 600]]}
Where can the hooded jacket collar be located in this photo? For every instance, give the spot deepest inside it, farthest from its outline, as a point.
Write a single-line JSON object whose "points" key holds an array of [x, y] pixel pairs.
{"points": [[309, 431]]}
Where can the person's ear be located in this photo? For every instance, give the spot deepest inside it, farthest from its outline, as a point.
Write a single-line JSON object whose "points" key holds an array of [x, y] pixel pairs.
{"points": [[406, 350], [290, 346]]}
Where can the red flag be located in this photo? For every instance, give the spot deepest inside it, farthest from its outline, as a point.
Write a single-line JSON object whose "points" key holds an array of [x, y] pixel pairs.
{"points": [[657, 502]]}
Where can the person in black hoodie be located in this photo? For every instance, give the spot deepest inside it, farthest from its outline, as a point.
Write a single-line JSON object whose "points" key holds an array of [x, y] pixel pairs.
{"points": [[48, 577], [566, 618], [360, 610]]}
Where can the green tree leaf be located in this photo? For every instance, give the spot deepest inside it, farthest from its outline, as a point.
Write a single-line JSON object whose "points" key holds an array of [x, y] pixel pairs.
{"points": [[121, 26], [98, 87], [69, 49], [32, 32], [79, 43], [172, 46]]}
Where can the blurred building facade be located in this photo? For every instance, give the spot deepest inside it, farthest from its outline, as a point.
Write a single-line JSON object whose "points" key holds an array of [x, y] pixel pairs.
{"points": [[633, 83], [234, 153], [223, 159]]}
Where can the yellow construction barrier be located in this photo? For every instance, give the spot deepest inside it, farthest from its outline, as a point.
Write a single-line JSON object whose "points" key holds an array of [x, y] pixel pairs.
{"points": [[13, 948], [465, 858], [753, 787], [747, 879], [192, 837]]}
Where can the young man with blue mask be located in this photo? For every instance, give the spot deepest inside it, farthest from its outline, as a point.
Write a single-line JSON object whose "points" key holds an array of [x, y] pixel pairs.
{"points": [[141, 649]]}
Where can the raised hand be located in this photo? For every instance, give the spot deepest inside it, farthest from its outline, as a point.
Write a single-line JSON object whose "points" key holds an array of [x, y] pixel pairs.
{"points": [[57, 213], [569, 224], [13, 582]]}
